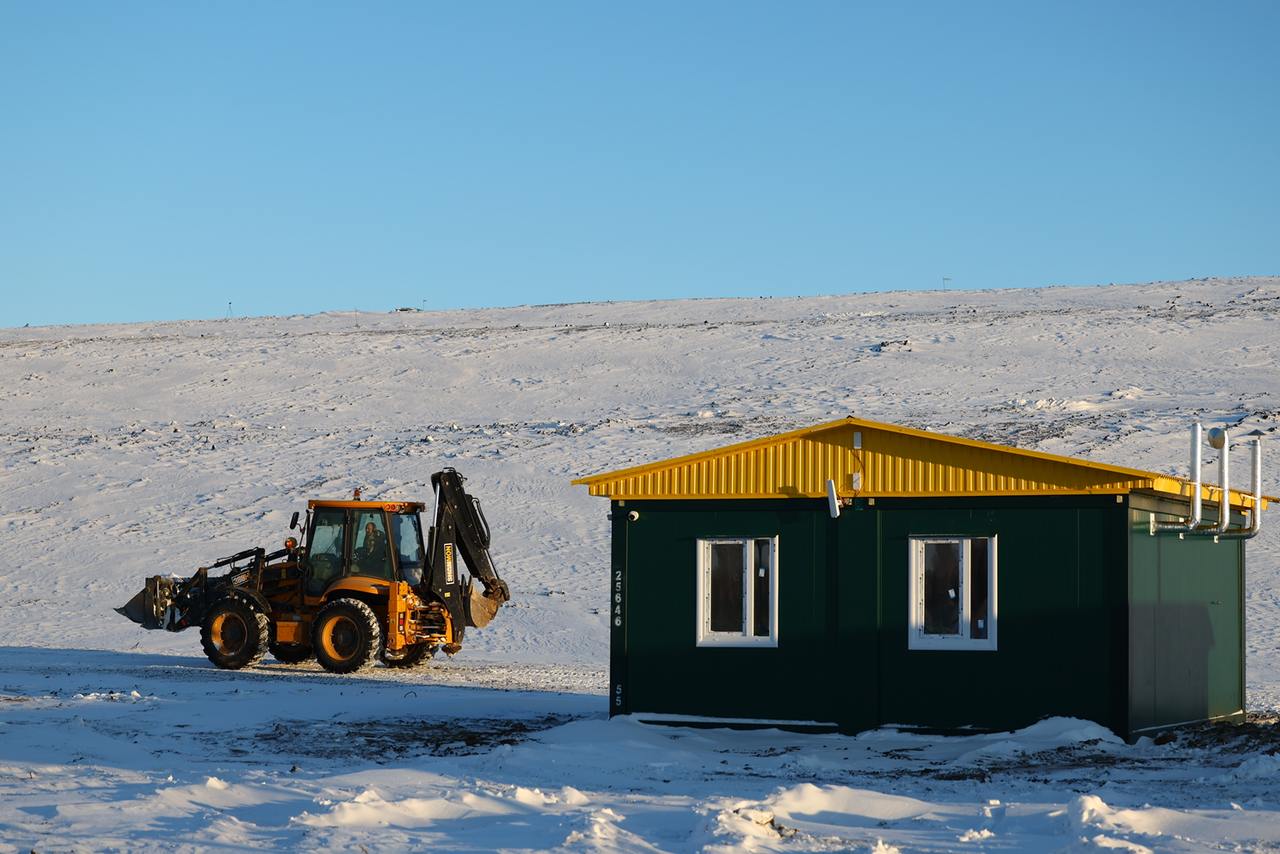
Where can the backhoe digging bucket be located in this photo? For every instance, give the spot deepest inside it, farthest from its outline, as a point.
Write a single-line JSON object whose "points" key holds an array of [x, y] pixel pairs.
{"points": [[480, 608], [150, 607]]}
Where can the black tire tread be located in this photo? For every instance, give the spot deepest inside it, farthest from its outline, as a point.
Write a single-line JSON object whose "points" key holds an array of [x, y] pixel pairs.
{"points": [[364, 617], [253, 618]]}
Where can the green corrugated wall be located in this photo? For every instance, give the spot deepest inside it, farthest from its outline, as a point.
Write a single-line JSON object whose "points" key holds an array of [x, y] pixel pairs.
{"points": [[1186, 656], [843, 654]]}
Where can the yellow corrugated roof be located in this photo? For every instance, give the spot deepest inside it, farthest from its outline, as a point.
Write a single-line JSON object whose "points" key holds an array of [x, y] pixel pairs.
{"points": [[888, 460]]}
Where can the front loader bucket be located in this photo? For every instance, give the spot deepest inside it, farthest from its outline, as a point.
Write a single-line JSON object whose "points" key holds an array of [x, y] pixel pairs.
{"points": [[148, 608], [480, 608], [136, 609]]}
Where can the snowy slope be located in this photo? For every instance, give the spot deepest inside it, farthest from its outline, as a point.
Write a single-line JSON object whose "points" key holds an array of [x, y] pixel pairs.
{"points": [[128, 450]]}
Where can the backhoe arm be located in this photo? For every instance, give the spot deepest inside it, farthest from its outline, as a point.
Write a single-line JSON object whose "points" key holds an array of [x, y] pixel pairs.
{"points": [[460, 523]]}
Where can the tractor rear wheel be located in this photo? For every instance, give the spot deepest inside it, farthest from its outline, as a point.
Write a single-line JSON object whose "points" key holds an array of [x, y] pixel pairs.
{"points": [[410, 656], [235, 634], [346, 636], [291, 653]]}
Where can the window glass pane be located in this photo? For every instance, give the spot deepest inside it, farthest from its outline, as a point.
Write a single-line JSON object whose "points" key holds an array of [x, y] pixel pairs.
{"points": [[324, 560], [760, 604], [408, 539], [727, 569], [942, 588], [327, 539], [370, 555], [979, 561]]}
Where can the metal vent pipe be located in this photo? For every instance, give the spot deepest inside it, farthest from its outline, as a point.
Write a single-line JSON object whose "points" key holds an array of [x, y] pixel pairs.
{"points": [[1221, 440], [1192, 523], [1224, 480], [1221, 528], [1255, 514]]}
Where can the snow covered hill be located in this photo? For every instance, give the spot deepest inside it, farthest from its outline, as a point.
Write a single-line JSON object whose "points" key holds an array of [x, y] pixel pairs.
{"points": [[128, 450]]}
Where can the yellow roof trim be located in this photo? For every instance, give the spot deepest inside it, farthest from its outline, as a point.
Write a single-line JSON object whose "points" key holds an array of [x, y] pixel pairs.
{"points": [[855, 422], [892, 462], [1181, 487]]}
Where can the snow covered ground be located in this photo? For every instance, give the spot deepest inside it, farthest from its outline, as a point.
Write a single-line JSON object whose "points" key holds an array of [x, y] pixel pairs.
{"points": [[134, 449]]}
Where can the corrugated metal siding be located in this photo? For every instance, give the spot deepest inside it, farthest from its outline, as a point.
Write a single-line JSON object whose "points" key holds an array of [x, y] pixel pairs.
{"points": [[896, 464], [891, 464]]}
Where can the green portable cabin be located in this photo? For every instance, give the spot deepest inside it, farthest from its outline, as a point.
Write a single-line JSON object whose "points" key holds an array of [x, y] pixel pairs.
{"points": [[855, 574]]}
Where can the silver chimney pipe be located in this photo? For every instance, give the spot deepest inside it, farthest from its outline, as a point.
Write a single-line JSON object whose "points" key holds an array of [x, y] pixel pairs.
{"points": [[1197, 511], [1219, 439], [1224, 470], [1220, 529], [1255, 514], [1193, 522]]}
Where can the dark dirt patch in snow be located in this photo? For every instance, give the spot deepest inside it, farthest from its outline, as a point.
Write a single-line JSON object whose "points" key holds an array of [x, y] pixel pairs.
{"points": [[1220, 746], [703, 427], [381, 741], [1258, 734]]}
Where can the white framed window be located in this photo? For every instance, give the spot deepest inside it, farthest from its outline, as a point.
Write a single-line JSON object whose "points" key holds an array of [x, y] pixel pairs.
{"points": [[952, 599], [738, 591]]}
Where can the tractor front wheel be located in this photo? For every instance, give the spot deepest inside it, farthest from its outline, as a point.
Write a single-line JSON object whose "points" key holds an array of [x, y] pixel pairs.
{"points": [[235, 634], [346, 636]]}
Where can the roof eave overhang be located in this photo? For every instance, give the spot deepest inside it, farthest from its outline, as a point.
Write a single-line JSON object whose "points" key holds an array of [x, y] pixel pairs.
{"points": [[1097, 479]]}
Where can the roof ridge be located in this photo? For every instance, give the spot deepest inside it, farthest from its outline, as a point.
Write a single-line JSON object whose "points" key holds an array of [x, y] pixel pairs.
{"points": [[876, 425]]}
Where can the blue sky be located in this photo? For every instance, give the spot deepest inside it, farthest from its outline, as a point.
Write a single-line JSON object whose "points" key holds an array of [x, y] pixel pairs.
{"points": [[158, 160]]}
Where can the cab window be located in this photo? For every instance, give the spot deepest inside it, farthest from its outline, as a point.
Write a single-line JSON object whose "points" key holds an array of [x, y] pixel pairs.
{"points": [[408, 541], [370, 555], [324, 560]]}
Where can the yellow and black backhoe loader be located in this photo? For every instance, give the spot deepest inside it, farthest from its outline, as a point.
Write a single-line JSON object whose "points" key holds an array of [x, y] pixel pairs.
{"points": [[363, 585]]}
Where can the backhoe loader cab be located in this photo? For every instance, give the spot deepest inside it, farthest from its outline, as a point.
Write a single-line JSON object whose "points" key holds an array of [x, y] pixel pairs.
{"points": [[365, 583], [369, 540]]}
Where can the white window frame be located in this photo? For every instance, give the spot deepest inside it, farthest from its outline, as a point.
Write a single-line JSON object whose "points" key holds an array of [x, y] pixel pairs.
{"points": [[706, 637], [916, 637]]}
